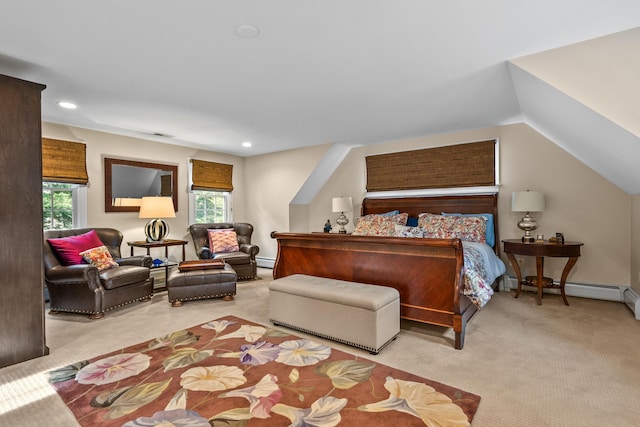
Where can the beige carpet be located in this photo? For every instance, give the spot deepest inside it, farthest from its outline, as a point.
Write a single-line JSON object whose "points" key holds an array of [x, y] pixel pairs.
{"points": [[548, 365]]}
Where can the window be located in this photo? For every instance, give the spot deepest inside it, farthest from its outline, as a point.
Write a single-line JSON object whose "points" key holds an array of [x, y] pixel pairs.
{"points": [[210, 206], [61, 205]]}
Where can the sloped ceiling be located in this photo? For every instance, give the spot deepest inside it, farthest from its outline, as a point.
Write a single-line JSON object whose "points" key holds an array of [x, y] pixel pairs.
{"points": [[333, 71], [586, 98]]}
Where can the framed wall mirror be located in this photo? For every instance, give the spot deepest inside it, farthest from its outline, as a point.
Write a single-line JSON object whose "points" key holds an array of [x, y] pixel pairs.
{"points": [[127, 181]]}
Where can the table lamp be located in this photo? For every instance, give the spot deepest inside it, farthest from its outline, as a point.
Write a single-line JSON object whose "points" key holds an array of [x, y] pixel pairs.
{"points": [[527, 201], [156, 208], [342, 204]]}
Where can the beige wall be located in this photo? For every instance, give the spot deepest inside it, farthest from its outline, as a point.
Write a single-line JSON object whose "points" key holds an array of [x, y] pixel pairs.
{"points": [[580, 203], [635, 241], [273, 180], [100, 145]]}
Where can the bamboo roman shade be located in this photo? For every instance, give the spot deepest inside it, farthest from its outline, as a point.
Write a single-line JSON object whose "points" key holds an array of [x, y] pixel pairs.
{"points": [[461, 165], [64, 161], [211, 176]]}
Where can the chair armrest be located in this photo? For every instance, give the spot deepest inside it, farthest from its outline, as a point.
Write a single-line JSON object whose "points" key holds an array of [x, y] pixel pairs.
{"points": [[204, 253], [139, 260], [252, 250], [73, 274]]}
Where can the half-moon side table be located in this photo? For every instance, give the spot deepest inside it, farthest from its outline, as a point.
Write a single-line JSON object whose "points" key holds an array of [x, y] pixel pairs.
{"points": [[570, 250]]}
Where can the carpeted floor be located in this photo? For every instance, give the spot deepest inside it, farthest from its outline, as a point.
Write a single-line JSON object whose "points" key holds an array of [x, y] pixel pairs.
{"points": [[548, 365]]}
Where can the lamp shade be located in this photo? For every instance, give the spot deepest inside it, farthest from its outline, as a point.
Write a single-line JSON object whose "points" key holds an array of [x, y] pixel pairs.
{"points": [[157, 207], [527, 201], [342, 204]]}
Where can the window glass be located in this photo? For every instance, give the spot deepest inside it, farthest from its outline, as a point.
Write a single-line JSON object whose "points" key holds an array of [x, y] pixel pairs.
{"points": [[57, 205], [210, 206]]}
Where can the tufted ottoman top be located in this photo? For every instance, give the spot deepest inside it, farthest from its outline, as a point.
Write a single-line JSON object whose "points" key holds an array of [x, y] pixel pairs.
{"points": [[368, 297]]}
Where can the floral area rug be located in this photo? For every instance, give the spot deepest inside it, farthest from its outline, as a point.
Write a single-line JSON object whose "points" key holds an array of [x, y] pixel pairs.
{"points": [[231, 372]]}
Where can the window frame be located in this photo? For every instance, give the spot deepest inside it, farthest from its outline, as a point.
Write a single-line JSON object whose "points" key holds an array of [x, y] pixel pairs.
{"points": [[78, 200], [228, 211]]}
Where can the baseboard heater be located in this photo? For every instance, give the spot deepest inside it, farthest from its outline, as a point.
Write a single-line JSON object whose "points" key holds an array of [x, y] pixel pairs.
{"points": [[632, 299], [265, 262], [583, 290]]}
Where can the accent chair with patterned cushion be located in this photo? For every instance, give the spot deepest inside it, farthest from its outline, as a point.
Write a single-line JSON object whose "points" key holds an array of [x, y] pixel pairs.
{"points": [[85, 273], [229, 241]]}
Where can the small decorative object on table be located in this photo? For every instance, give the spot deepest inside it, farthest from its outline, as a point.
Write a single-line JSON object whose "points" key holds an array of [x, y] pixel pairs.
{"points": [[327, 227], [558, 239], [540, 239]]}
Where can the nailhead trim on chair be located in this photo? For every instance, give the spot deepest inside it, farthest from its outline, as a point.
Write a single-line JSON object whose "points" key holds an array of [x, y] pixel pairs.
{"points": [[72, 310]]}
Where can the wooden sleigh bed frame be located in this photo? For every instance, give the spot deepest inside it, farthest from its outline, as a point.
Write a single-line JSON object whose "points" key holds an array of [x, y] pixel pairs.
{"points": [[426, 272]]}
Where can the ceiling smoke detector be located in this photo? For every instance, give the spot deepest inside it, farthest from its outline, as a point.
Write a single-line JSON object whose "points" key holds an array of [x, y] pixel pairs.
{"points": [[247, 31]]}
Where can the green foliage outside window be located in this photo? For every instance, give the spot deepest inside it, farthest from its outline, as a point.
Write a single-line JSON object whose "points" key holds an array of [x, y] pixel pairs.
{"points": [[57, 205], [210, 206]]}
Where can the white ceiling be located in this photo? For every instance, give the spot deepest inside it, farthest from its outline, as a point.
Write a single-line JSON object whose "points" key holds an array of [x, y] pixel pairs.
{"points": [[342, 71]]}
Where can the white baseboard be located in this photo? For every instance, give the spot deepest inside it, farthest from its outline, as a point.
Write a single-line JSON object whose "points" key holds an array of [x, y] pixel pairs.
{"points": [[265, 262], [583, 290]]}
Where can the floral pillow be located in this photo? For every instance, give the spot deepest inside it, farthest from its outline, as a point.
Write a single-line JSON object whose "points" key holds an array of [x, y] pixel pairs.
{"points": [[490, 236], [405, 231], [379, 225], [470, 229], [99, 257], [223, 240]]}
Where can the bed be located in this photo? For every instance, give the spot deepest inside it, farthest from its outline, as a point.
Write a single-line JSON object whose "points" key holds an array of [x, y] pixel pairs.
{"points": [[429, 273]]}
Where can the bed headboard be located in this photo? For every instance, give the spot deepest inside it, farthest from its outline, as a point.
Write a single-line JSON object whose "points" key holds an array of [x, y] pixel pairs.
{"points": [[465, 204]]}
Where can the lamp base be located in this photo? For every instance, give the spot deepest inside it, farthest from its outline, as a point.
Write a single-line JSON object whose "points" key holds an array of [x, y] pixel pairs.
{"points": [[342, 220], [527, 224], [528, 239], [156, 230]]}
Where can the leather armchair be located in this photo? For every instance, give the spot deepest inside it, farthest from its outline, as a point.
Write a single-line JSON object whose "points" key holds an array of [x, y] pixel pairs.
{"points": [[84, 289], [243, 261]]}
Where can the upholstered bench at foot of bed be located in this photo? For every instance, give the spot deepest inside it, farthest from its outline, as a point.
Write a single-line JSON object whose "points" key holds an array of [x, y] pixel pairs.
{"points": [[357, 314], [201, 284]]}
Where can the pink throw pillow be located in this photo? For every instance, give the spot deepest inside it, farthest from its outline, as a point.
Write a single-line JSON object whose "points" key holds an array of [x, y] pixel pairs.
{"points": [[68, 249], [223, 240]]}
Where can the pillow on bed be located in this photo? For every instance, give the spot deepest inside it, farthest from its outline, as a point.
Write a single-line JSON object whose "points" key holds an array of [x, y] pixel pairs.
{"points": [[405, 231], [470, 229], [490, 235], [379, 225]]}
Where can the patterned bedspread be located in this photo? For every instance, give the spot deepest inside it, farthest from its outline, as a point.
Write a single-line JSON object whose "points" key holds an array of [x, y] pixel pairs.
{"points": [[481, 267]]}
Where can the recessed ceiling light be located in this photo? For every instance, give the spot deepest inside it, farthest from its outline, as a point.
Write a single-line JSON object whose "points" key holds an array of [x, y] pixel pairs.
{"points": [[246, 144], [67, 105], [247, 31]]}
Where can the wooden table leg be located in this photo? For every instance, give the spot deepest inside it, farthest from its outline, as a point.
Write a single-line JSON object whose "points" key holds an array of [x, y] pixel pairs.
{"points": [[567, 268], [516, 268], [539, 277]]}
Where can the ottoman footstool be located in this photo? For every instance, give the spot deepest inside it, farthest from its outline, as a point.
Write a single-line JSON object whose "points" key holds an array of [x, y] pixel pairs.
{"points": [[192, 285], [361, 315]]}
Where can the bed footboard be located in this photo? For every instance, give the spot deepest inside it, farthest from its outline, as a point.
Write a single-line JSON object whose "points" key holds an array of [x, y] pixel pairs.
{"points": [[426, 272]]}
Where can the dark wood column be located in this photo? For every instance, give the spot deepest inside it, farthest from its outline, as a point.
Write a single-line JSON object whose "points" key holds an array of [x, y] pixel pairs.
{"points": [[22, 334]]}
